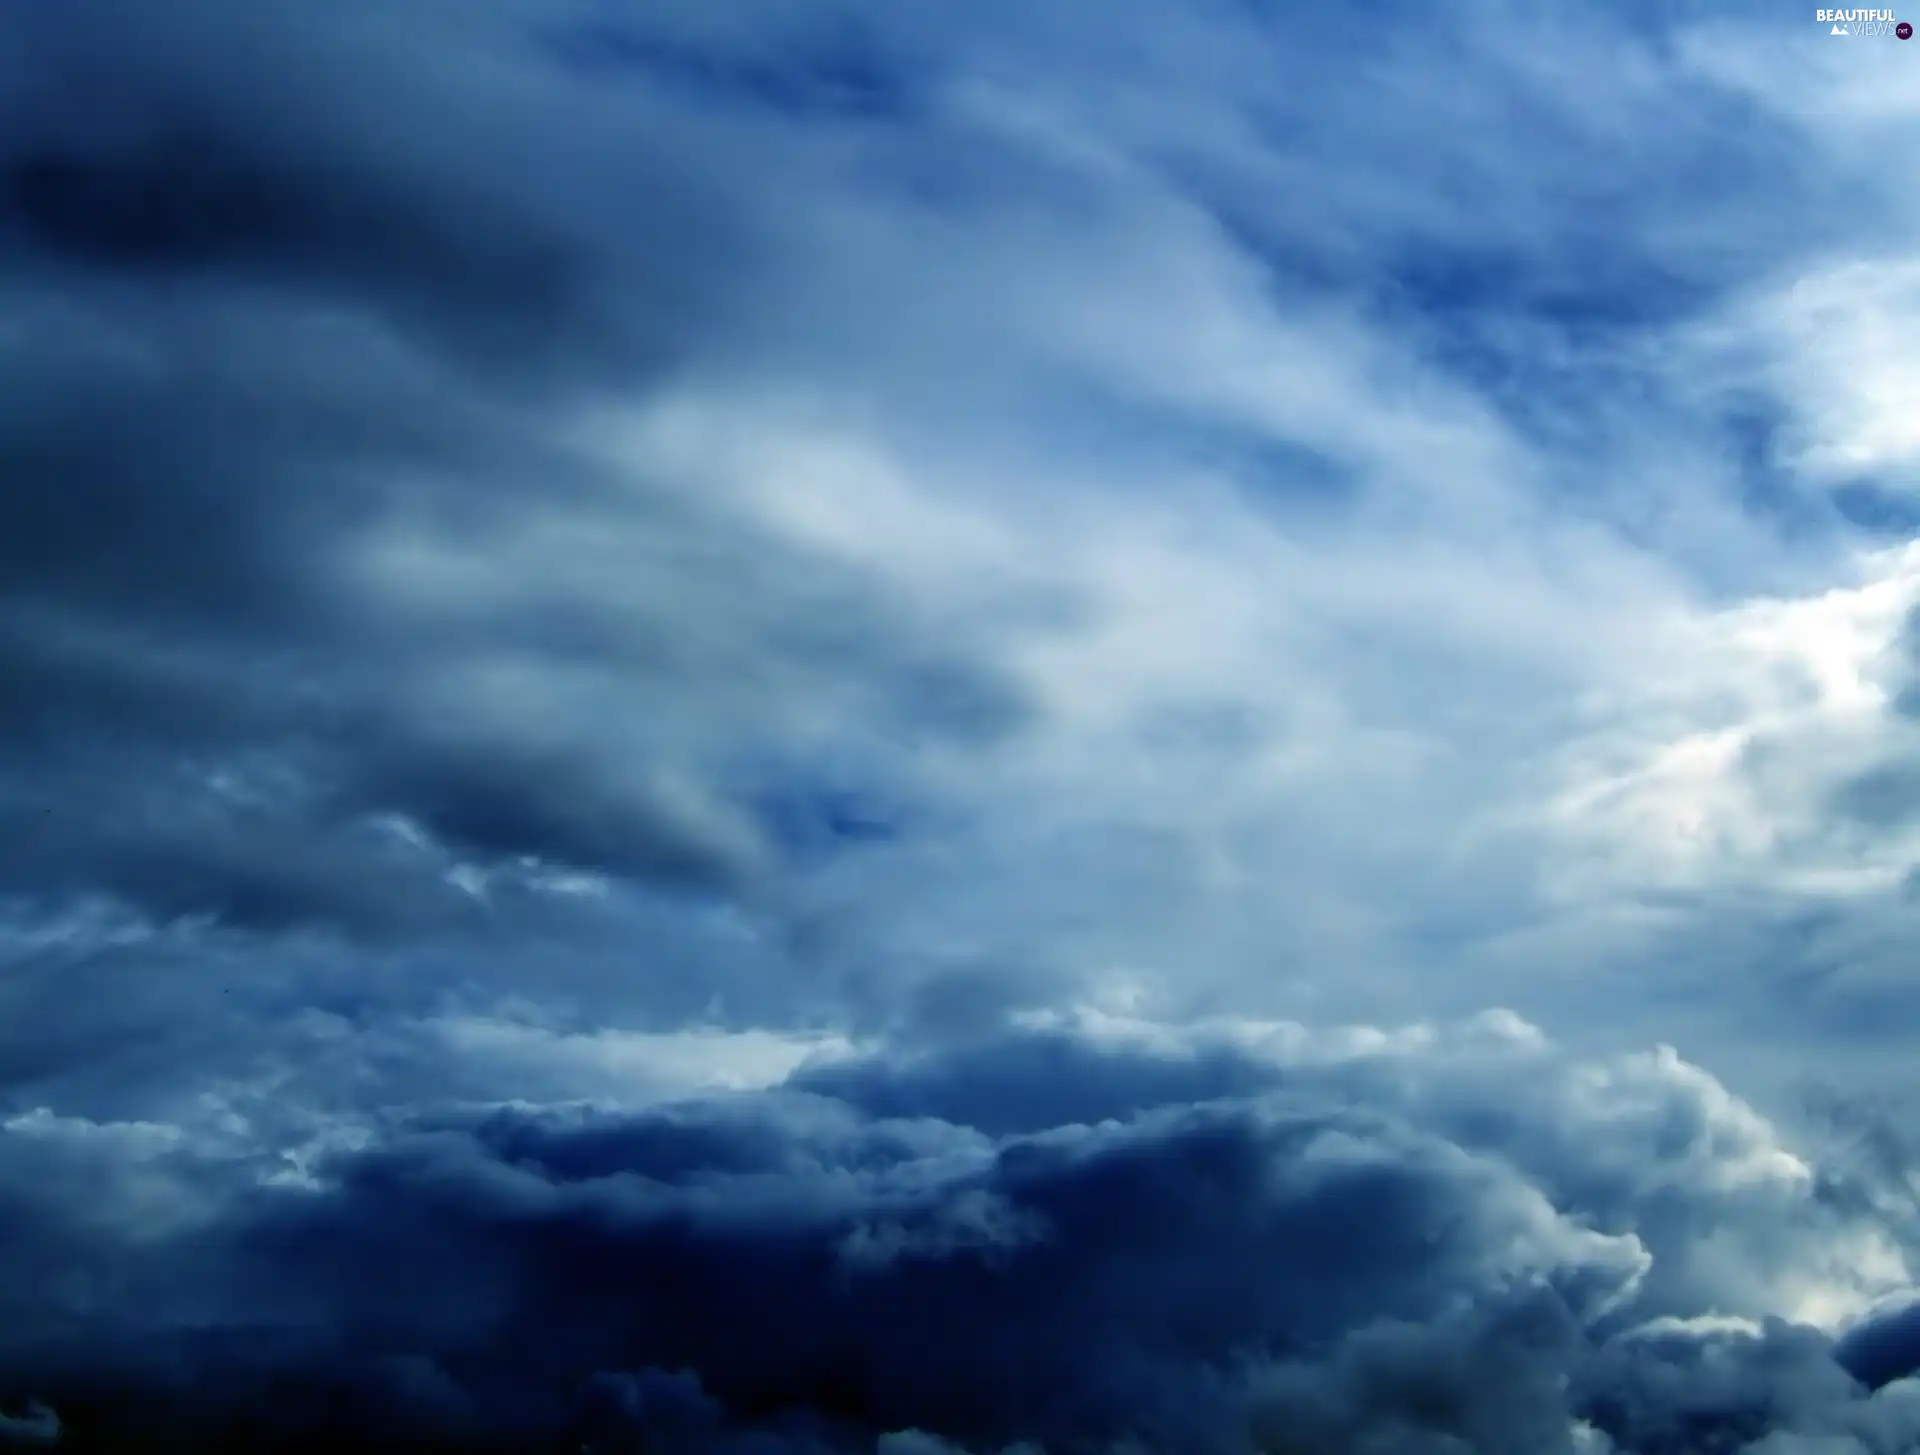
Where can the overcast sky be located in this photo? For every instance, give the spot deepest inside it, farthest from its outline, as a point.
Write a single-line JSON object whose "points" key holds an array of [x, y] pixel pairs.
{"points": [[797, 727]]}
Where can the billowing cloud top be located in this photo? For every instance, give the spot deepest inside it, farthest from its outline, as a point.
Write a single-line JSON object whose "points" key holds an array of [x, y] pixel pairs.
{"points": [[925, 729]]}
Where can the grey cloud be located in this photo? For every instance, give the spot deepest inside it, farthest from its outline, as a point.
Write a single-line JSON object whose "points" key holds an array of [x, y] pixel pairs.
{"points": [[1304, 1266], [265, 324], [533, 537], [1883, 1348]]}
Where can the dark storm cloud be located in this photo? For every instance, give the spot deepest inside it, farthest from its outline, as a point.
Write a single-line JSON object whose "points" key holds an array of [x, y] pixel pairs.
{"points": [[1075, 1285], [367, 161], [1304, 1268], [279, 287], [1884, 1347]]}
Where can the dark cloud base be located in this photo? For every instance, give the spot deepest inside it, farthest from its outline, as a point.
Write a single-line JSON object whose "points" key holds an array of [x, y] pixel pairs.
{"points": [[1219, 1253]]}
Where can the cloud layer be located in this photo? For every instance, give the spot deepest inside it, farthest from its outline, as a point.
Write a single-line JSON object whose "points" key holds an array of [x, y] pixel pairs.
{"points": [[1241, 1237], [853, 726]]}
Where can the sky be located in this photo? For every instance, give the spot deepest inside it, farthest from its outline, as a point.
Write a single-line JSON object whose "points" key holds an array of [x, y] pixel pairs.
{"points": [[1002, 729]]}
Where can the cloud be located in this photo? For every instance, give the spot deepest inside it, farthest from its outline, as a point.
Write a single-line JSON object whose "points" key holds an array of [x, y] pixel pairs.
{"points": [[39, 1426], [706, 716], [1443, 1233]]}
